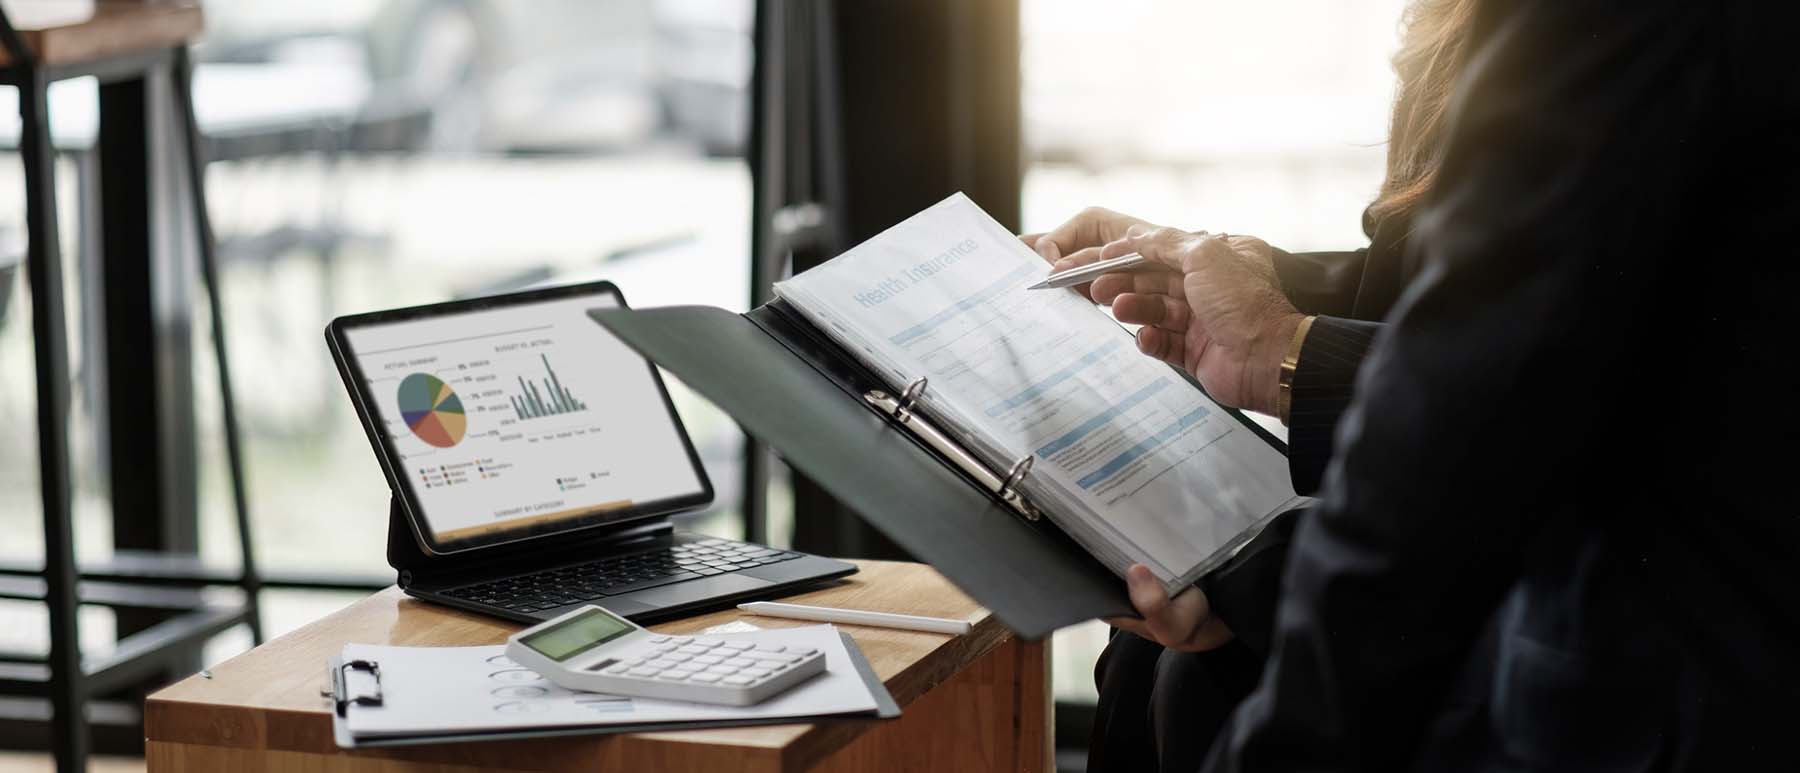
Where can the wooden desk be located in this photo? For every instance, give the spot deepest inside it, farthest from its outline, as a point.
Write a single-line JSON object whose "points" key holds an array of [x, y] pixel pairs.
{"points": [[978, 702], [64, 32]]}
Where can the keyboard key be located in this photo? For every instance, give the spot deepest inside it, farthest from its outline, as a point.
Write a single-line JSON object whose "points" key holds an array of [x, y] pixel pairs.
{"points": [[708, 571], [650, 582]]}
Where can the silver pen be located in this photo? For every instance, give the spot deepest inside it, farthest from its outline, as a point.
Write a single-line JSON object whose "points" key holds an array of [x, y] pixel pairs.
{"points": [[1091, 271]]}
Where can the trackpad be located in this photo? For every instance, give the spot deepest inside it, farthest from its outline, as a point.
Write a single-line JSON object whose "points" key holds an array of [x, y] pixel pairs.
{"points": [[698, 590]]}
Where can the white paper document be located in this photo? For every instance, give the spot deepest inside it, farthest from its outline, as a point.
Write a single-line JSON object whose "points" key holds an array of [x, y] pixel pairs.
{"points": [[1131, 459], [476, 690]]}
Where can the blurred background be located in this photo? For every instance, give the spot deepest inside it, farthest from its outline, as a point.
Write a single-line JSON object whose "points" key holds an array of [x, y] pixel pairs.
{"points": [[376, 153]]}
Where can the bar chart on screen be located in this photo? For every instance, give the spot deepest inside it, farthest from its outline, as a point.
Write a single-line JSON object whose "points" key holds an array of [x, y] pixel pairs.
{"points": [[553, 399]]}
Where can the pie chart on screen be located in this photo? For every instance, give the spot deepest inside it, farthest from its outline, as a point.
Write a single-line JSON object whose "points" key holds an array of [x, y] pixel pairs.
{"points": [[432, 410]]}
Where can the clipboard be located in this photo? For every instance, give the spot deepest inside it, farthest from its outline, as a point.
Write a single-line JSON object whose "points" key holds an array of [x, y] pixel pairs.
{"points": [[870, 444], [344, 701]]}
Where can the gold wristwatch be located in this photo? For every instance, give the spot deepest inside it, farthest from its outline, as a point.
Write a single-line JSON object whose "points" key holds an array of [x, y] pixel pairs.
{"points": [[1284, 398]]}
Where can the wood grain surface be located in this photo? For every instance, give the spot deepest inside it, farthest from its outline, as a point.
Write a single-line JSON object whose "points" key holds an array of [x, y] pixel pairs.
{"points": [[64, 32], [974, 702]]}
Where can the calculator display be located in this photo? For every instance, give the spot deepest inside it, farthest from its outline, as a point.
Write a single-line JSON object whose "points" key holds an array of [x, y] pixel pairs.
{"points": [[578, 634]]}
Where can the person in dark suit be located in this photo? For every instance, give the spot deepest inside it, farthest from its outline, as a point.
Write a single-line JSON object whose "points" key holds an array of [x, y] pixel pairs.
{"points": [[1342, 297], [1549, 536]]}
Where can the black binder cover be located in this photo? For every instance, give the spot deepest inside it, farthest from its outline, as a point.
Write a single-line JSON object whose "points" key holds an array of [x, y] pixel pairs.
{"points": [[792, 389]]}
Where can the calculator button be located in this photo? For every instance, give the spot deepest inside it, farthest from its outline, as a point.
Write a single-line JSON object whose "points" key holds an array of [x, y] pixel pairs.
{"points": [[692, 650], [707, 642], [659, 664], [707, 677], [769, 648], [771, 664], [658, 639], [618, 669], [641, 671], [737, 680], [681, 639], [674, 676], [721, 670], [666, 648], [739, 662], [738, 645], [677, 657], [633, 661], [754, 673], [708, 660], [803, 651]]}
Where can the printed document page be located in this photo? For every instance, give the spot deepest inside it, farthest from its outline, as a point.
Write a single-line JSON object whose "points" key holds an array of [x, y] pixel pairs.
{"points": [[1131, 459], [451, 690]]}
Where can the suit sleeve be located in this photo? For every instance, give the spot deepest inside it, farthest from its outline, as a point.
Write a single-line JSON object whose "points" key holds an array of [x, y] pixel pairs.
{"points": [[1320, 282], [1562, 181], [1324, 383], [1326, 284]]}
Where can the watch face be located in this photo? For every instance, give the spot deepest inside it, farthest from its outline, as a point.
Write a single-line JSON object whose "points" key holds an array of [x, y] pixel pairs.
{"points": [[577, 634]]}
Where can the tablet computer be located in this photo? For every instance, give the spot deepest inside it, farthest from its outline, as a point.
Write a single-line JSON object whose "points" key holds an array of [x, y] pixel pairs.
{"points": [[515, 417]]}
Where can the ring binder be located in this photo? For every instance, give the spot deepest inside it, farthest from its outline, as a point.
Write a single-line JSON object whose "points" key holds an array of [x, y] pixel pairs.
{"points": [[909, 398], [1005, 487], [340, 685]]}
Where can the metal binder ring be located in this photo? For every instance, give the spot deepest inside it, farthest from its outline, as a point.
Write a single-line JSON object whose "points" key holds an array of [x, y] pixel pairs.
{"points": [[1016, 475], [909, 398]]}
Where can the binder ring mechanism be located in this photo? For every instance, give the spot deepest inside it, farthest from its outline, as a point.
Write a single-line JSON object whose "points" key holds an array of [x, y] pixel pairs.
{"points": [[340, 685], [903, 411]]}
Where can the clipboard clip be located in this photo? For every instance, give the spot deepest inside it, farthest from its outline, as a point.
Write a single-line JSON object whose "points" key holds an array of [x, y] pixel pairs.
{"points": [[903, 410], [340, 685]]}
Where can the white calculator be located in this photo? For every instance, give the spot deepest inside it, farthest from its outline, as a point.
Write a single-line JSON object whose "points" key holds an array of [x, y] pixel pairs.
{"points": [[595, 650]]}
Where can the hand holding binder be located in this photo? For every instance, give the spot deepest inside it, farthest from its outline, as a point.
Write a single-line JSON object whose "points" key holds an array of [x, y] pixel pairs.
{"points": [[1032, 455]]}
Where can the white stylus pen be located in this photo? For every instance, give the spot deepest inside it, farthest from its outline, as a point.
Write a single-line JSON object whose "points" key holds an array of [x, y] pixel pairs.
{"points": [[856, 617]]}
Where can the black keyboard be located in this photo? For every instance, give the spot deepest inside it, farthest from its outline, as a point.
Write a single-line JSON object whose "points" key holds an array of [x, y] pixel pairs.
{"points": [[614, 575]]}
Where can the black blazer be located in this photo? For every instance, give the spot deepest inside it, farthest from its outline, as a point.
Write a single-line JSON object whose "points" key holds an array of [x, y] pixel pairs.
{"points": [[1553, 533], [1350, 292]]}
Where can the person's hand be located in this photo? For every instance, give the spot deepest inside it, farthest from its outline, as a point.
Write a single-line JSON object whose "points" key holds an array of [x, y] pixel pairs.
{"points": [[1216, 310], [1079, 240], [1185, 623]]}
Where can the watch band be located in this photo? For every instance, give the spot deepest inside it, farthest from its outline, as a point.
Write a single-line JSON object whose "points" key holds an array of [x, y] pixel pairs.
{"points": [[1290, 363]]}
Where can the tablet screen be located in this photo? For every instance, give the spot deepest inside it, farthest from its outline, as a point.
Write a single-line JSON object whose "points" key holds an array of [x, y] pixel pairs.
{"points": [[511, 418]]}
